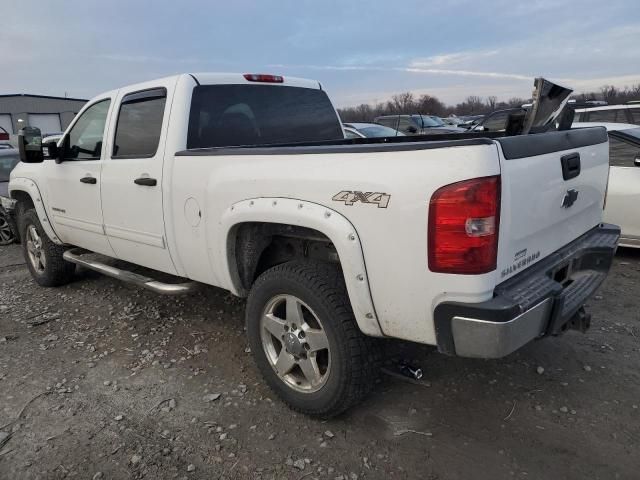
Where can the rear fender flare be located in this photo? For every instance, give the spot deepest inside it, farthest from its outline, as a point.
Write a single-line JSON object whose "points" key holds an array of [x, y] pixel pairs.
{"points": [[301, 213], [29, 187]]}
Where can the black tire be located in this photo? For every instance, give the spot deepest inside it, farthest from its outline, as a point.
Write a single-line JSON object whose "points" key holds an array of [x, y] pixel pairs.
{"points": [[56, 271], [7, 235], [354, 356]]}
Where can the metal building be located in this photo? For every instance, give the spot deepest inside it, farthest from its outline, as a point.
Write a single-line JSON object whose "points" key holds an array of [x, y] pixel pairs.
{"points": [[49, 114]]}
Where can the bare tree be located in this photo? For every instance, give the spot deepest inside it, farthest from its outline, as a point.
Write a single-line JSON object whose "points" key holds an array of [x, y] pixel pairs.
{"points": [[430, 106], [402, 101], [406, 103]]}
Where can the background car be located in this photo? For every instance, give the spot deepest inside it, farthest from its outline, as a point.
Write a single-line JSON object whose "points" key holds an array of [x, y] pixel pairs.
{"points": [[453, 121], [623, 195], [495, 121], [4, 136], [629, 113], [469, 120], [370, 130], [416, 124], [9, 158], [350, 132]]}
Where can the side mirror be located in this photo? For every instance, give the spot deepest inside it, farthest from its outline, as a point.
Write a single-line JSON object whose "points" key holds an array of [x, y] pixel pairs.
{"points": [[30, 145], [412, 129], [636, 161]]}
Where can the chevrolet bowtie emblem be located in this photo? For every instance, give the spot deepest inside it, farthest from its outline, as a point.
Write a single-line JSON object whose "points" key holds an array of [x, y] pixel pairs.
{"points": [[569, 198]]}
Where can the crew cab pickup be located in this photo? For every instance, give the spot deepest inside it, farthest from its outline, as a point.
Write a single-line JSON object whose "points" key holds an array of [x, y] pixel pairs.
{"points": [[476, 243]]}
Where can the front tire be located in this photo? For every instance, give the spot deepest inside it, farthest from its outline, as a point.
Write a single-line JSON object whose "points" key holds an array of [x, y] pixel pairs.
{"points": [[43, 257], [305, 340]]}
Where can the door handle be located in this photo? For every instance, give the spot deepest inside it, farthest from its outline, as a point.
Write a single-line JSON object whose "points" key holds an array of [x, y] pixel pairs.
{"points": [[146, 181], [90, 180], [570, 166]]}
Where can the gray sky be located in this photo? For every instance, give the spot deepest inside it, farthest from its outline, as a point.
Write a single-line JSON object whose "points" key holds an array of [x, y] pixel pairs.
{"points": [[360, 51]]}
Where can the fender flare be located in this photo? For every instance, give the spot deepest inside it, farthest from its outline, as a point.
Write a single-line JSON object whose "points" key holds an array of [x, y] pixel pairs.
{"points": [[29, 187], [302, 213]]}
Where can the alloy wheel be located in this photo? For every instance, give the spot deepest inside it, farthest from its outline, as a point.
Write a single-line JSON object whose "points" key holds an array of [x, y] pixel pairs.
{"points": [[295, 343]]}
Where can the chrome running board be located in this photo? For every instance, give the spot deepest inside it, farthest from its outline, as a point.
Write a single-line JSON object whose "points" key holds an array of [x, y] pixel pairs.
{"points": [[74, 256]]}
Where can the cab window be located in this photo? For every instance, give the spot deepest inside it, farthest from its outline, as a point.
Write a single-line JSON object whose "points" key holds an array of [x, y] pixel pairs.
{"points": [[84, 141], [139, 124]]}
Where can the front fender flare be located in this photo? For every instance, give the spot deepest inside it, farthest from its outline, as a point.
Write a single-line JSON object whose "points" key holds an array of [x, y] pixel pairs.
{"points": [[28, 186], [301, 213]]}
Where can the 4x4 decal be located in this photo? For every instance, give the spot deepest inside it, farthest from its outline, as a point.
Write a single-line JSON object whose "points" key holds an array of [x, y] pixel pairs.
{"points": [[349, 197]]}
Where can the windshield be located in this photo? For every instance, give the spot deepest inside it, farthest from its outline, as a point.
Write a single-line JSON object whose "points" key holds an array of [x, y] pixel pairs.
{"points": [[632, 132], [9, 158], [234, 115], [380, 131], [428, 121]]}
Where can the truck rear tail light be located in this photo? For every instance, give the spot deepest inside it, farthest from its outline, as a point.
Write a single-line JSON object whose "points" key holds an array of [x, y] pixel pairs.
{"points": [[4, 136], [261, 77], [463, 227]]}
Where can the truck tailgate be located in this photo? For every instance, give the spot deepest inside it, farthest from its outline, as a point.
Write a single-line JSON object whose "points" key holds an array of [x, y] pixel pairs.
{"points": [[553, 189]]}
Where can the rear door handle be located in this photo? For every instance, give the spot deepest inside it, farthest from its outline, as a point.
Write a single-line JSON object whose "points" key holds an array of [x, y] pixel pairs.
{"points": [[90, 180], [146, 181]]}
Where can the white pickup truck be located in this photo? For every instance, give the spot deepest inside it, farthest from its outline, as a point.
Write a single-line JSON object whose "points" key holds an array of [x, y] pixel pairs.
{"points": [[475, 243]]}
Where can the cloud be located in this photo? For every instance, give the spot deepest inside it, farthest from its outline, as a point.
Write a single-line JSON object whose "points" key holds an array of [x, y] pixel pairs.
{"points": [[468, 73], [407, 69], [116, 57], [447, 59], [360, 50]]}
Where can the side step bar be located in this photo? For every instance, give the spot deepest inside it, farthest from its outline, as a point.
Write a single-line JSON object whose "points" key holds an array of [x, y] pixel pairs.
{"points": [[74, 256]]}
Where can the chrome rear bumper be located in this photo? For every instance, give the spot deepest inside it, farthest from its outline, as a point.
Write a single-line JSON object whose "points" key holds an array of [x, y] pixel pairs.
{"points": [[545, 299]]}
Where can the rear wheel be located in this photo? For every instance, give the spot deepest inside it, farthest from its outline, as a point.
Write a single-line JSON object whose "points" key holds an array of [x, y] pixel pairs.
{"points": [[305, 340], [43, 257]]}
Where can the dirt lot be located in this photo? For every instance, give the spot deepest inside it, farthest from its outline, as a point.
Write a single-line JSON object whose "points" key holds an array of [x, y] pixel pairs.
{"points": [[103, 380]]}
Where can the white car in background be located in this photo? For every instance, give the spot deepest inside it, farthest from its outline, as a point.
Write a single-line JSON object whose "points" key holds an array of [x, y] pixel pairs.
{"points": [[623, 195], [628, 113], [369, 130]]}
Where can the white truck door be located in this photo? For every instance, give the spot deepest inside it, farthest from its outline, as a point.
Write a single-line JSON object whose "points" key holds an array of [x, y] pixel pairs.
{"points": [[132, 176], [72, 187], [623, 195]]}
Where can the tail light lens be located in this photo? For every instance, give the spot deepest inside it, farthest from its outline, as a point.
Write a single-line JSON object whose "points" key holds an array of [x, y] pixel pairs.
{"points": [[463, 227], [261, 77], [4, 136]]}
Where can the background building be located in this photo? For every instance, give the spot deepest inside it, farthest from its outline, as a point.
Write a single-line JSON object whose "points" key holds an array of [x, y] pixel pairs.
{"points": [[49, 114]]}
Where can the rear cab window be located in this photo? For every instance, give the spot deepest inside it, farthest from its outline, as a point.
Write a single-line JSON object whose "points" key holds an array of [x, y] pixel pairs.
{"points": [[139, 124], [250, 115]]}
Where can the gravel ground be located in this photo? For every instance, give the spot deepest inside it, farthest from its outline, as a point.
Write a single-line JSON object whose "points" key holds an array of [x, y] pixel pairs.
{"points": [[100, 379]]}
